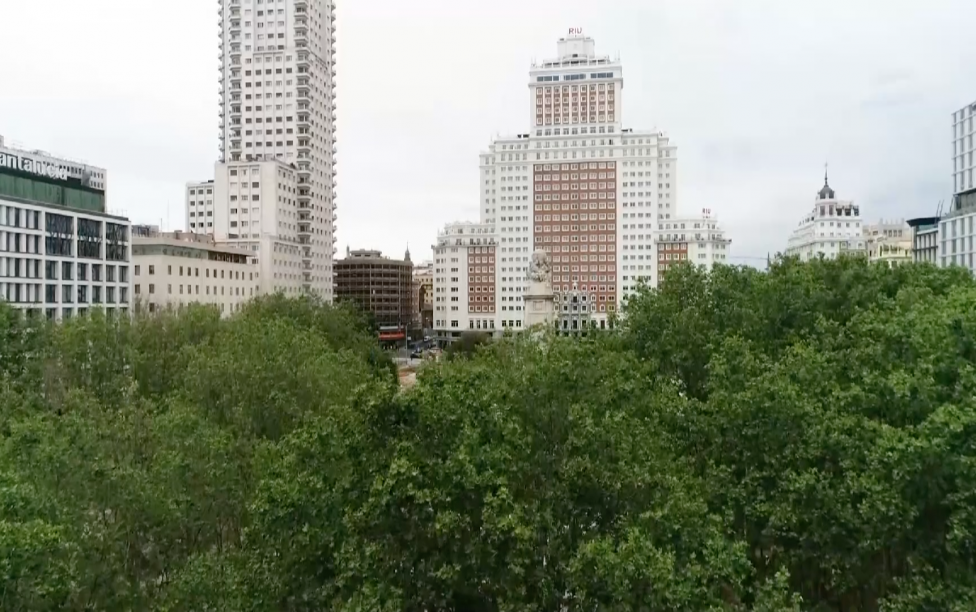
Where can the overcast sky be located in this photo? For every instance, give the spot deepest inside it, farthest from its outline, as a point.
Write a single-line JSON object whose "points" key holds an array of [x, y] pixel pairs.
{"points": [[757, 94]]}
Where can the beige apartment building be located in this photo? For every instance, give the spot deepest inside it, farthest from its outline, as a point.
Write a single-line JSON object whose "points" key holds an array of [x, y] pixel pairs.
{"points": [[172, 269]]}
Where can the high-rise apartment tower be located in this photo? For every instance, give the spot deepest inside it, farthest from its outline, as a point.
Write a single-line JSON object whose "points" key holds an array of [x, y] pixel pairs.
{"points": [[278, 119]]}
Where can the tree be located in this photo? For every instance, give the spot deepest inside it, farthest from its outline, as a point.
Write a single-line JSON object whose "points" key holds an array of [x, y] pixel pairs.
{"points": [[467, 344], [800, 440]]}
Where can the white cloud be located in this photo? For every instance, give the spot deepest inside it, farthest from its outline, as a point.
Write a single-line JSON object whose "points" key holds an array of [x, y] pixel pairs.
{"points": [[756, 93]]}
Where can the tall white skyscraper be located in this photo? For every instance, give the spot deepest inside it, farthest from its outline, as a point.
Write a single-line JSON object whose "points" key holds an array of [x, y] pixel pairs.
{"points": [[278, 117]]}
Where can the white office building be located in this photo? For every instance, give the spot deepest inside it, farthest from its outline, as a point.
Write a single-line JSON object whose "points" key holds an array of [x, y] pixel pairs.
{"points": [[173, 269], [831, 229], [956, 231], [962, 148], [278, 111], [61, 254]]}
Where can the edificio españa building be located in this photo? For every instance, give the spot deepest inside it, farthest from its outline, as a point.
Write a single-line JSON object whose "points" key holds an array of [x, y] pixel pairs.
{"points": [[578, 184]]}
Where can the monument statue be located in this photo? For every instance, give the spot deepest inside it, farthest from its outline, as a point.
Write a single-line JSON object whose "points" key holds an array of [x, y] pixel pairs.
{"points": [[539, 299], [540, 267]]}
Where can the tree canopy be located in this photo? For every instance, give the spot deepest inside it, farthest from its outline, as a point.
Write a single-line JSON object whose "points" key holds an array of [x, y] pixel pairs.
{"points": [[796, 440]]}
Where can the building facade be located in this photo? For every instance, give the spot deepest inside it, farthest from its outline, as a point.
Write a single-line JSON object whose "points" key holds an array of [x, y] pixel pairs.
{"points": [[576, 183], [256, 209], [278, 108], [61, 254], [956, 231], [831, 229], [574, 310], [699, 240], [465, 296], [888, 241], [199, 207], [925, 239], [423, 295], [963, 149], [380, 286], [173, 269]]}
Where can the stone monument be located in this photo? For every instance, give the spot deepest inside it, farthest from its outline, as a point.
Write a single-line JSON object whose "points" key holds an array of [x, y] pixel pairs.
{"points": [[539, 301]]}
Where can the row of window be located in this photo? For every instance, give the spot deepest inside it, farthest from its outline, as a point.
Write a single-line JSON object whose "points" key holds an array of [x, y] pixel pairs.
{"points": [[593, 176], [31, 293], [565, 88], [16, 267], [234, 291], [232, 275]]}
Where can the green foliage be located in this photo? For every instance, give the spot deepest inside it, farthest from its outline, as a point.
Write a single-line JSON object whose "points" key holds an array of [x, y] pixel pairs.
{"points": [[801, 440], [467, 344]]}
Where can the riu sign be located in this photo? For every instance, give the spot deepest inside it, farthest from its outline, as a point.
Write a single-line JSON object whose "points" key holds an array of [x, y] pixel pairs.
{"points": [[575, 31]]}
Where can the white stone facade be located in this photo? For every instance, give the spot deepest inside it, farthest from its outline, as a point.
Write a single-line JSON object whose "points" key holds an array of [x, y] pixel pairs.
{"points": [[831, 229], [177, 268]]}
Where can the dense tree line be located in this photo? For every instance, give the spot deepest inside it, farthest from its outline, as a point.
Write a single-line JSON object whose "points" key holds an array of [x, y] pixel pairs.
{"points": [[798, 440]]}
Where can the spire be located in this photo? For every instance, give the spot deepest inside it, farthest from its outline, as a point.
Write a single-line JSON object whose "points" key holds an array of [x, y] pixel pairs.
{"points": [[406, 256], [826, 193]]}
